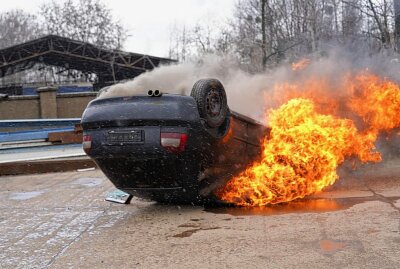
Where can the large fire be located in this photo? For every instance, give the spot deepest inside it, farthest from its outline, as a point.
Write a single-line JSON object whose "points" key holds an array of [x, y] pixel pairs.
{"points": [[310, 137]]}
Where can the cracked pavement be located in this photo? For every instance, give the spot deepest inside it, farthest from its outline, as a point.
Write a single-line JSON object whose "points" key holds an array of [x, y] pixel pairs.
{"points": [[60, 220]]}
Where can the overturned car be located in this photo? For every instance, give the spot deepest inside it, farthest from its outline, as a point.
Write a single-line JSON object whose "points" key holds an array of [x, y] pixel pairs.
{"points": [[171, 148]]}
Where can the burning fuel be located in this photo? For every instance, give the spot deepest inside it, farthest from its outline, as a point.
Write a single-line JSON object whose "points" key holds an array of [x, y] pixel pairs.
{"points": [[321, 112], [312, 134], [300, 65]]}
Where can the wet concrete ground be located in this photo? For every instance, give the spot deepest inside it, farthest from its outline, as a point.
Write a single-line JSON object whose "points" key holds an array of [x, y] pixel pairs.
{"points": [[61, 220]]}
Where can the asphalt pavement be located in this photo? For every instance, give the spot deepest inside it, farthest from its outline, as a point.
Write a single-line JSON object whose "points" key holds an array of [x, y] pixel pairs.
{"points": [[60, 220]]}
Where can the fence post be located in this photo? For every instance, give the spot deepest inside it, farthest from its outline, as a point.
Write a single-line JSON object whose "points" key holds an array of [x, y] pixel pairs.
{"points": [[48, 102]]}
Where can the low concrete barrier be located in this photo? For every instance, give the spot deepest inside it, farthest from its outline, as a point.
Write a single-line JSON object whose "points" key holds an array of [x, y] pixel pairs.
{"points": [[45, 166], [31, 134], [47, 105]]}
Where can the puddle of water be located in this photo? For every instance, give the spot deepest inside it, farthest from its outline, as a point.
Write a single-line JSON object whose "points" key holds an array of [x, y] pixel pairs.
{"points": [[20, 196], [297, 206], [88, 181]]}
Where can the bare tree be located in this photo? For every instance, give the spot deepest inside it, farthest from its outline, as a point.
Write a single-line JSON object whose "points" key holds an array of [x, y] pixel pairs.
{"points": [[224, 41], [17, 26], [205, 37], [265, 33], [380, 12], [376, 21], [180, 42], [85, 20], [397, 23], [351, 18]]}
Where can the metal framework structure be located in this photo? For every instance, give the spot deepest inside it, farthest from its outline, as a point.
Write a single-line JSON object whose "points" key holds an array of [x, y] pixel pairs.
{"points": [[108, 65]]}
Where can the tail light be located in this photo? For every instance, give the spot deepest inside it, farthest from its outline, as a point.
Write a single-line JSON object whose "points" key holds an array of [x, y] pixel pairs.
{"points": [[173, 142], [87, 143]]}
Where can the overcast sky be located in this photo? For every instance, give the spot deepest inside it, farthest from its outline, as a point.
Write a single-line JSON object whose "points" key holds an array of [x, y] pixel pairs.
{"points": [[149, 21]]}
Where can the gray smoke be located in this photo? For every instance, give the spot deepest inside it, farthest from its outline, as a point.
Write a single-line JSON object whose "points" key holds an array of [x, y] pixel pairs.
{"points": [[245, 92], [252, 94]]}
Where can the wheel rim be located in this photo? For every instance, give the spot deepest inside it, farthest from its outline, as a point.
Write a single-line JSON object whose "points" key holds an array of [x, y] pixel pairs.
{"points": [[213, 103]]}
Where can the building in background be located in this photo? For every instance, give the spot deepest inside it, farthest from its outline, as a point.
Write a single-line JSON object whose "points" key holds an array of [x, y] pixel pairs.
{"points": [[73, 66], [55, 77]]}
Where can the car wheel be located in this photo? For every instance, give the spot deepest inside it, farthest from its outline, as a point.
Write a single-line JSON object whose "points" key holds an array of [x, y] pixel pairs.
{"points": [[211, 101]]}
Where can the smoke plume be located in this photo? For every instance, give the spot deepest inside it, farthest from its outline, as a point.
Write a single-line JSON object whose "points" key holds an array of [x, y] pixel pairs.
{"points": [[252, 94]]}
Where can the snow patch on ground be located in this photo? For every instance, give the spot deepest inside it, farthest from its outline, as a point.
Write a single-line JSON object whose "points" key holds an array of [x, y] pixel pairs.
{"points": [[21, 196]]}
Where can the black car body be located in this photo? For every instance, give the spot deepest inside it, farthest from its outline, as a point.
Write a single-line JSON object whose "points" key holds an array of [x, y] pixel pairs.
{"points": [[159, 146]]}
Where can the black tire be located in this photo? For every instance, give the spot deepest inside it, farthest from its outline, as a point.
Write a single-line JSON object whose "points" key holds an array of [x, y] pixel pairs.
{"points": [[211, 101]]}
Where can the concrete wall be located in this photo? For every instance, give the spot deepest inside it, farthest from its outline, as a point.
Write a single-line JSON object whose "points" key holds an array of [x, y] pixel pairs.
{"points": [[47, 105], [20, 107], [72, 105]]}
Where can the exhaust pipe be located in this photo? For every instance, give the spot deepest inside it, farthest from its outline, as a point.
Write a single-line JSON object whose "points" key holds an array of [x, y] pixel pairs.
{"points": [[155, 93]]}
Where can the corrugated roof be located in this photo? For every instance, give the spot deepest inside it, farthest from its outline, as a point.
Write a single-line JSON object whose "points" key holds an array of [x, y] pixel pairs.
{"points": [[108, 65]]}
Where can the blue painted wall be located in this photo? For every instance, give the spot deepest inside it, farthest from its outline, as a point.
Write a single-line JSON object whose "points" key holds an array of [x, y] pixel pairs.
{"points": [[61, 89]]}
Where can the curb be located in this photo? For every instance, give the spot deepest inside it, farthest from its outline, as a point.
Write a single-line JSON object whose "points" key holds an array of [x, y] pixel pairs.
{"points": [[45, 166]]}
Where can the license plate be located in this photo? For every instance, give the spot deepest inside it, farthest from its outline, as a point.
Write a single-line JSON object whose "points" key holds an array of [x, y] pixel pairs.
{"points": [[125, 136]]}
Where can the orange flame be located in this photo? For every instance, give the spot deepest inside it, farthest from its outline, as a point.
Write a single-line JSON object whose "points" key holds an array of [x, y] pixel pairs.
{"points": [[307, 144], [300, 65], [376, 101]]}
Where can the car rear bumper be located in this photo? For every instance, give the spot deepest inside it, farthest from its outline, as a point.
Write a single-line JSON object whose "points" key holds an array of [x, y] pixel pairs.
{"points": [[152, 173]]}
